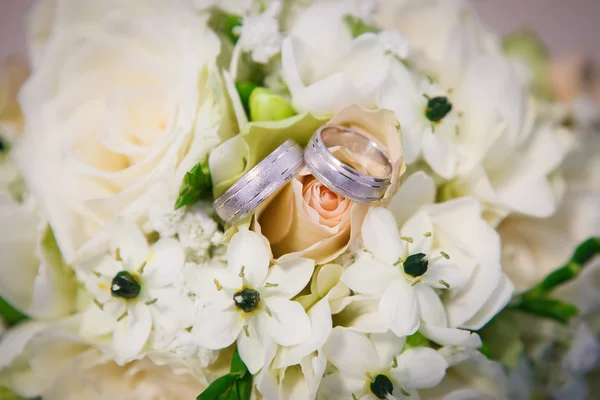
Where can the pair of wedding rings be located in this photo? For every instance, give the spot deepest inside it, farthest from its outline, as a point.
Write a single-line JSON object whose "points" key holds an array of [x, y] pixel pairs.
{"points": [[365, 186]]}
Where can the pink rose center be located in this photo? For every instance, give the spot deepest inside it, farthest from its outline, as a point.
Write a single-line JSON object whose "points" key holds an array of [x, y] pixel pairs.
{"points": [[330, 206]]}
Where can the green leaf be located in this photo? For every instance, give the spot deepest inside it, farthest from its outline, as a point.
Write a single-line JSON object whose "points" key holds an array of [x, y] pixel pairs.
{"points": [[549, 308], [416, 340], [244, 388], [357, 26], [238, 368], [7, 394], [218, 388], [225, 23], [10, 315], [196, 185], [586, 251]]}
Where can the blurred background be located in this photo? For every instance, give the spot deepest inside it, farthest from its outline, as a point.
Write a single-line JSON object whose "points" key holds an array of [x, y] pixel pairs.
{"points": [[567, 26]]}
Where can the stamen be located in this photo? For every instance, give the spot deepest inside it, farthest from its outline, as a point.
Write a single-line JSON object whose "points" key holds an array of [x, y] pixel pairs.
{"points": [[246, 331], [427, 234], [268, 312], [97, 274], [122, 316], [407, 239], [150, 302], [445, 255], [370, 377], [394, 362], [271, 284], [141, 267], [443, 282], [417, 280], [241, 274], [398, 262], [354, 397], [100, 305], [218, 285], [118, 254], [404, 392]]}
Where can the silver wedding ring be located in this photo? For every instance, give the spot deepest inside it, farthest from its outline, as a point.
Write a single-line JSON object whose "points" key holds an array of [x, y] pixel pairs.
{"points": [[363, 187], [260, 182]]}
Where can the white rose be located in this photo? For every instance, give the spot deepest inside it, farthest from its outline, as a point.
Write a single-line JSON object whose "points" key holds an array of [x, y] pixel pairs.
{"points": [[42, 360], [117, 110]]}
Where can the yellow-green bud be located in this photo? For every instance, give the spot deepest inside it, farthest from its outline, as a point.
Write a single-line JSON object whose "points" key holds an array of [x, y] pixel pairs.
{"points": [[267, 106]]}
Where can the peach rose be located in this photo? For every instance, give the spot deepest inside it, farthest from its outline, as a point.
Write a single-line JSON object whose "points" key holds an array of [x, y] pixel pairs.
{"points": [[307, 219]]}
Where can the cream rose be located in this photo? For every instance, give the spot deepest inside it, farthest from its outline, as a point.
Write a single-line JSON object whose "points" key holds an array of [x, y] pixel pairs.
{"points": [[306, 218], [116, 111]]}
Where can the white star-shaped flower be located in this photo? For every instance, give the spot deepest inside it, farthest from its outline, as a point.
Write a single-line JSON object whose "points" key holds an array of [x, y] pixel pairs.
{"points": [[249, 302], [375, 367], [135, 288], [404, 269], [429, 120]]}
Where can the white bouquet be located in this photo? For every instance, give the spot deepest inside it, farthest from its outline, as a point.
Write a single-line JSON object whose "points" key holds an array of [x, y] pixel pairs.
{"points": [[290, 199]]}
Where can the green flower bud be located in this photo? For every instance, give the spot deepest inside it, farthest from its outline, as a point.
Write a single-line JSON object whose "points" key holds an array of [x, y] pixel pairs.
{"points": [[437, 108], [125, 285], [382, 386], [267, 106], [415, 265], [246, 300]]}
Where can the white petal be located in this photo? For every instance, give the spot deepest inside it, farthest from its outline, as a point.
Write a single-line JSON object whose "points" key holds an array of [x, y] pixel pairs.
{"points": [[164, 263], [388, 345], [496, 302], [361, 313], [313, 368], [450, 336], [351, 352], [216, 328], [420, 229], [201, 280], [95, 322], [131, 333], [400, 307], [340, 386], [320, 324], [290, 277], [455, 272], [431, 308], [460, 220], [370, 276], [380, 235], [288, 324], [248, 249], [439, 154], [464, 305], [416, 191], [132, 245], [420, 368], [14, 341], [173, 310], [254, 345]]}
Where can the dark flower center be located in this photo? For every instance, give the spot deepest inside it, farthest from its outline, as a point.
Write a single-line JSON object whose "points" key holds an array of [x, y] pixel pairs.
{"points": [[437, 108], [125, 285], [382, 386], [415, 265], [246, 299]]}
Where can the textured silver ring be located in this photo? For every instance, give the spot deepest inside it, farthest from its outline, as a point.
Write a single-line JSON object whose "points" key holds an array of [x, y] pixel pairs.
{"points": [[341, 177], [260, 182]]}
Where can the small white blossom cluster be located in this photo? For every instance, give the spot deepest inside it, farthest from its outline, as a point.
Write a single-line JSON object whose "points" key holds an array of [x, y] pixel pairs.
{"points": [[128, 275]]}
